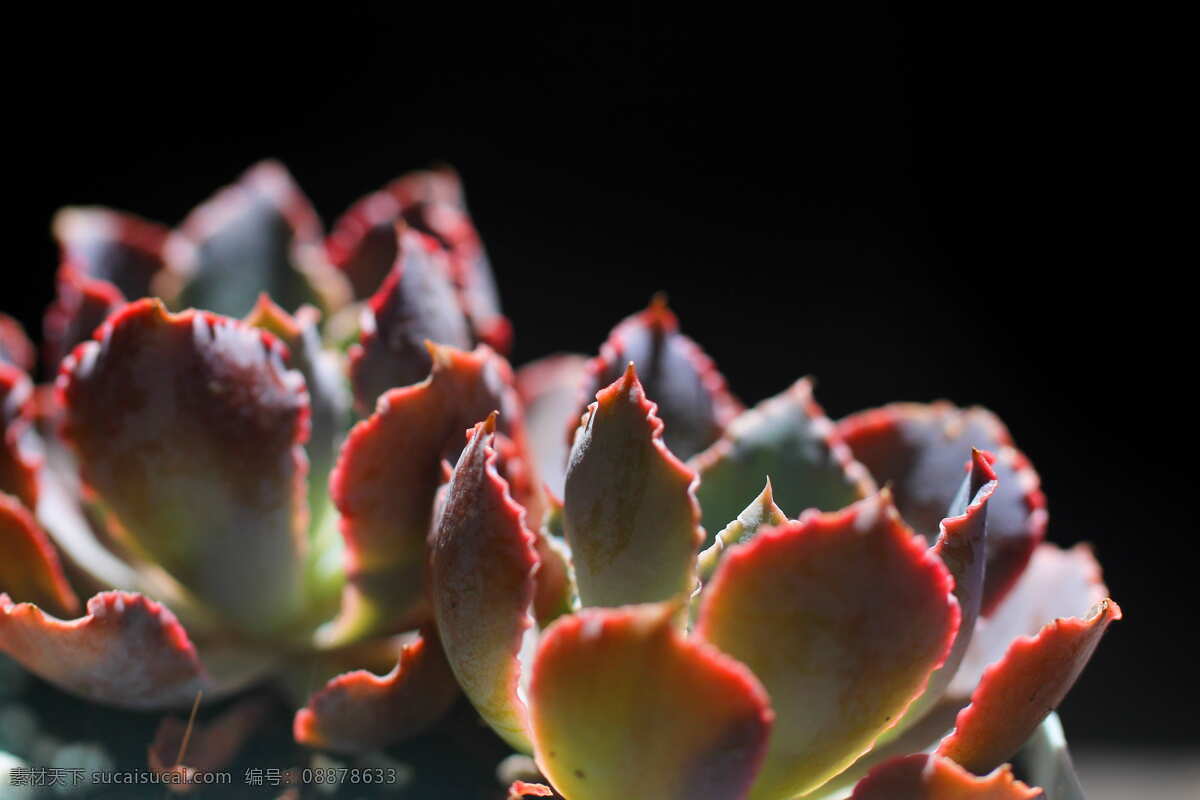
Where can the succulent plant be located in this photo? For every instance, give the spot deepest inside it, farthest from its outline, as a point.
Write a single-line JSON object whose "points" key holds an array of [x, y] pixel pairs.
{"points": [[607, 573], [192, 471], [910, 628]]}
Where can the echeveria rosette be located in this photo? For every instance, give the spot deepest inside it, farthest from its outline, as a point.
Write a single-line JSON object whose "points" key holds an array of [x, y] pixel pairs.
{"points": [[181, 475], [817, 649]]}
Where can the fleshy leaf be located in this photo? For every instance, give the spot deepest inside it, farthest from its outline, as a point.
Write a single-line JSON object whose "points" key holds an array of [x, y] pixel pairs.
{"points": [[328, 398], [481, 567], [260, 234], [432, 201], [1018, 692], [81, 305], [549, 389], [692, 399], [389, 471], [961, 545], [121, 249], [843, 617], [363, 242], [788, 438], [761, 513], [30, 569], [1057, 583], [926, 777], [19, 461], [920, 450], [127, 651], [556, 593], [189, 429], [360, 711], [416, 303], [630, 512], [15, 347], [623, 706], [206, 747], [521, 790]]}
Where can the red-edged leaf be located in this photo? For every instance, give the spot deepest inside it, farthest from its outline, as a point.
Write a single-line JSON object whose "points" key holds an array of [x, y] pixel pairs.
{"points": [[926, 777], [30, 569], [81, 305], [1018, 692], [389, 471], [630, 512], [762, 513], [432, 201], [363, 242], [206, 747], [692, 399], [556, 592], [788, 439], [360, 711], [1058, 583], [549, 389], [190, 430], [121, 249], [15, 347], [415, 304], [19, 461], [127, 651], [961, 545], [843, 617], [481, 569], [622, 705], [920, 451], [260, 234], [521, 790]]}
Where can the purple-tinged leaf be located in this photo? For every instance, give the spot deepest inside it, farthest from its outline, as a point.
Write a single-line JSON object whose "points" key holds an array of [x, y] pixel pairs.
{"points": [[432, 201], [189, 428], [622, 705], [389, 471], [843, 617], [415, 304], [692, 400], [788, 439], [961, 545], [482, 565], [921, 450], [260, 234], [629, 512], [363, 242]]}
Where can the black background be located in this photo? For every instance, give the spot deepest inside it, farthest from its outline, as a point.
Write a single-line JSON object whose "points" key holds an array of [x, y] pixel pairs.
{"points": [[907, 207]]}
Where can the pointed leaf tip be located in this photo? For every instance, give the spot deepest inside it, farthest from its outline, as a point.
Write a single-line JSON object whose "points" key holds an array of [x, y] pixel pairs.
{"points": [[921, 450], [482, 566], [789, 438], [1019, 691], [630, 512], [691, 394], [809, 607]]}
